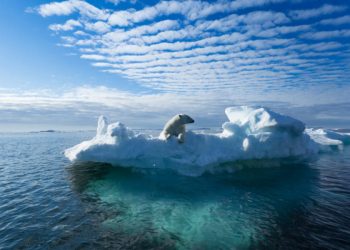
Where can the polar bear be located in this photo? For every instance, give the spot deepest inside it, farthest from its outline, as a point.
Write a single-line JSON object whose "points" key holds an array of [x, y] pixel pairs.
{"points": [[176, 127]]}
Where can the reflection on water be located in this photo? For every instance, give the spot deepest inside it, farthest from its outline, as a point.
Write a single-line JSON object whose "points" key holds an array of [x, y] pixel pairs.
{"points": [[222, 211], [46, 203]]}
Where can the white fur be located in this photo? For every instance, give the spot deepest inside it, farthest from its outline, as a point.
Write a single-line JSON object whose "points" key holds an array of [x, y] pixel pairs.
{"points": [[176, 127]]}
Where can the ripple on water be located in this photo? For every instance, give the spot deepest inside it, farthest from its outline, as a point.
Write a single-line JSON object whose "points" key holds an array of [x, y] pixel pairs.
{"points": [[48, 203]]}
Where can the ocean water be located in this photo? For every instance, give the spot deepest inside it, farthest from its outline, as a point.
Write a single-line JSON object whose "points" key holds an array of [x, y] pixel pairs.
{"points": [[47, 202]]}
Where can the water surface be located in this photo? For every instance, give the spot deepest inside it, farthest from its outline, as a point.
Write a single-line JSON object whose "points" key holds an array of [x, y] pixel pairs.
{"points": [[48, 202]]}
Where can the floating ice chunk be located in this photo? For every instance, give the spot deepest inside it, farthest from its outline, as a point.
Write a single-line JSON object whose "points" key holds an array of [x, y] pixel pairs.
{"points": [[251, 133], [259, 119], [328, 139], [101, 126]]}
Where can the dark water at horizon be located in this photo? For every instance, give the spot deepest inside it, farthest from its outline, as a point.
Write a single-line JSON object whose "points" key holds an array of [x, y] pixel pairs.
{"points": [[48, 203]]}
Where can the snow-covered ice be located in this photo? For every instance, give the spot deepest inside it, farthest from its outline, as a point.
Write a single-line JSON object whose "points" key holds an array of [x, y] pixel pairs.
{"points": [[252, 133]]}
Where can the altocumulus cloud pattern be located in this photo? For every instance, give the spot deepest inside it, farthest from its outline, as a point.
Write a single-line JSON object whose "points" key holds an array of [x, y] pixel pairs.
{"points": [[186, 46], [195, 57]]}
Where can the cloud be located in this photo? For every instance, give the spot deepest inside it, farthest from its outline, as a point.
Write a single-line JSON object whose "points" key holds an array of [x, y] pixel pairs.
{"points": [[310, 13], [57, 8], [273, 32], [322, 35], [99, 27], [121, 35], [68, 25], [268, 18], [82, 105], [80, 33], [241, 4], [65, 8], [191, 10], [336, 21], [116, 2], [93, 57], [189, 46], [87, 102]]}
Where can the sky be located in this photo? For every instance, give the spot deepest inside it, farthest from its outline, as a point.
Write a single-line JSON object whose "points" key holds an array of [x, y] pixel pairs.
{"points": [[64, 63]]}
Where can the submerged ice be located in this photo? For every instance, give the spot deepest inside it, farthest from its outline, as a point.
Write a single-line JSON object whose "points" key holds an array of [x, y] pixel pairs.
{"points": [[252, 133]]}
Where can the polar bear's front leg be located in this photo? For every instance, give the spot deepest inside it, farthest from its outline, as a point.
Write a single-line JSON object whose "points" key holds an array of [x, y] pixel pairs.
{"points": [[167, 136], [181, 138]]}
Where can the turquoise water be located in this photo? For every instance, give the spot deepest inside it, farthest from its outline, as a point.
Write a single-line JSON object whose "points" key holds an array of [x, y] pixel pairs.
{"points": [[47, 202]]}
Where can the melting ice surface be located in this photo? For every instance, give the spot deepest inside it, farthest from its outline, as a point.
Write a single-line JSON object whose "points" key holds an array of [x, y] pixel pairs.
{"points": [[252, 133]]}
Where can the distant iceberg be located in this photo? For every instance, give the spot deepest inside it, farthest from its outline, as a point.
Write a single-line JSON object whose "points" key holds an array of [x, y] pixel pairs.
{"points": [[252, 133]]}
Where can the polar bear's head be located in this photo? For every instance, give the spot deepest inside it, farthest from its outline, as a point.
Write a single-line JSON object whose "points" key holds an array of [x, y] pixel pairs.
{"points": [[185, 119]]}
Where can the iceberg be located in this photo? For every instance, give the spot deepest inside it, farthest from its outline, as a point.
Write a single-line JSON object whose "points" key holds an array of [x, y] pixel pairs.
{"points": [[252, 133], [328, 139]]}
